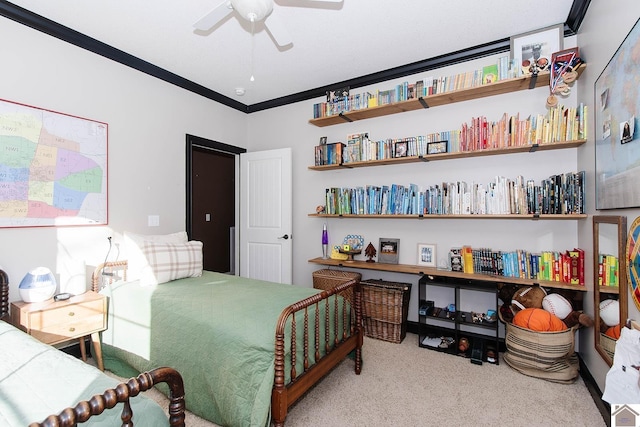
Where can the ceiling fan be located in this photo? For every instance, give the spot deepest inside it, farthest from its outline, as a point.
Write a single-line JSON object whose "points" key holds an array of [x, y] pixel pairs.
{"points": [[253, 11]]}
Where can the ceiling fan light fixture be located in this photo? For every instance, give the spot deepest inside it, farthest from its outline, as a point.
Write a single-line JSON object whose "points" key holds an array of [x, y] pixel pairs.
{"points": [[253, 10]]}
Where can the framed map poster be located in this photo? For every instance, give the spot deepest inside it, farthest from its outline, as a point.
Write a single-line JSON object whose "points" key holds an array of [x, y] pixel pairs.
{"points": [[53, 168], [617, 104]]}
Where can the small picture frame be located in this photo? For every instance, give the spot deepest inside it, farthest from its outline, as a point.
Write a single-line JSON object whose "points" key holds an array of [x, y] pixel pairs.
{"points": [[533, 49], [400, 149], [437, 147], [427, 255], [389, 251], [323, 140], [455, 259]]}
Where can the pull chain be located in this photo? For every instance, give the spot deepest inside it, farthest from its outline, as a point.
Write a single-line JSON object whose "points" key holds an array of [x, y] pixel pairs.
{"points": [[253, 42]]}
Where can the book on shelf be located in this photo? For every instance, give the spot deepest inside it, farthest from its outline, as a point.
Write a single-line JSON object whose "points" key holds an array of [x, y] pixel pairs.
{"points": [[329, 154], [490, 74]]}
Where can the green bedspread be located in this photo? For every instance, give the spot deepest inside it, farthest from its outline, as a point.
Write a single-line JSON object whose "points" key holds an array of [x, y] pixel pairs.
{"points": [[216, 330], [37, 380]]}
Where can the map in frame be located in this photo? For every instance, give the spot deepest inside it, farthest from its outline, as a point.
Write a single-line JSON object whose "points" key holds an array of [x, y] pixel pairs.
{"points": [[53, 168]]}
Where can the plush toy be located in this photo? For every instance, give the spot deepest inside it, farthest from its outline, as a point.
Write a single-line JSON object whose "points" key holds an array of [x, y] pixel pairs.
{"points": [[505, 293], [539, 320], [563, 309], [527, 297]]}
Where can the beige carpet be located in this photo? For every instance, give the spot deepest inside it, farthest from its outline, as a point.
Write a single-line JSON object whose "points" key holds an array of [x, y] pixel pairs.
{"points": [[405, 385]]}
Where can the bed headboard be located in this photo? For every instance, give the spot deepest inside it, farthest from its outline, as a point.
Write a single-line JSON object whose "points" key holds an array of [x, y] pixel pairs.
{"points": [[108, 270], [4, 294]]}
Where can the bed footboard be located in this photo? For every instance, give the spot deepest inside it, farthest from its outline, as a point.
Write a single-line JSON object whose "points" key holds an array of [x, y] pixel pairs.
{"points": [[121, 393], [337, 343]]}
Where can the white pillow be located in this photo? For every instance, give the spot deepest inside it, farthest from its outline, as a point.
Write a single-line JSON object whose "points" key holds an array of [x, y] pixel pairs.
{"points": [[133, 243], [171, 261]]}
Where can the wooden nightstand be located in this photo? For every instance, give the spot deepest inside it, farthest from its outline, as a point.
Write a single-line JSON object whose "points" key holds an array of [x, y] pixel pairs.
{"points": [[56, 322]]}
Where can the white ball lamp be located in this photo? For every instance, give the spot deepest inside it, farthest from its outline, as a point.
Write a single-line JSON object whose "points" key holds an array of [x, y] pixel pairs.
{"points": [[38, 285]]}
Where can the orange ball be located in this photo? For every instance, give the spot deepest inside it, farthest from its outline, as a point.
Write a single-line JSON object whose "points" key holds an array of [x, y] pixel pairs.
{"points": [[538, 320], [613, 332]]}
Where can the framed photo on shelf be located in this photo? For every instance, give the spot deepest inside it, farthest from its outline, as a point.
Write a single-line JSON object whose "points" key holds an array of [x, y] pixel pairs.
{"points": [[437, 147], [533, 50], [400, 149], [389, 251], [323, 140], [427, 255]]}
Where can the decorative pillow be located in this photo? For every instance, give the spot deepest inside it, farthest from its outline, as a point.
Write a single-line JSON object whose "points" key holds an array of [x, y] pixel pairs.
{"points": [[133, 244], [171, 261]]}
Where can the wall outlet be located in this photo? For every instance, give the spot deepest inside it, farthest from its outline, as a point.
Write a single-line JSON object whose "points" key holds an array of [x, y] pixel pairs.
{"points": [[154, 220]]}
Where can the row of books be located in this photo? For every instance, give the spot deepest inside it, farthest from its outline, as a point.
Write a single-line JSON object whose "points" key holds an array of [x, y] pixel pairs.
{"points": [[558, 194], [558, 124], [565, 267], [503, 69], [608, 267]]}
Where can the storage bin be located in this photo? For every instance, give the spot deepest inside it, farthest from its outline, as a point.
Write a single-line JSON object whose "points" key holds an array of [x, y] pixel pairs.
{"points": [[385, 308], [546, 355], [328, 279]]}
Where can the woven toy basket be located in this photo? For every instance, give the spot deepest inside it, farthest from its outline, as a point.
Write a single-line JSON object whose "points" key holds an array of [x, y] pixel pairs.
{"points": [[608, 344], [385, 308], [547, 355], [328, 279]]}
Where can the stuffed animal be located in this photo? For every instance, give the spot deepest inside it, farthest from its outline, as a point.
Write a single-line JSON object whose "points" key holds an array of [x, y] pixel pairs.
{"points": [[527, 297]]}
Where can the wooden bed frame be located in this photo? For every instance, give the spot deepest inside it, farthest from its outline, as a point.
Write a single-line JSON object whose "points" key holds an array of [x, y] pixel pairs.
{"points": [[120, 393], [347, 340]]}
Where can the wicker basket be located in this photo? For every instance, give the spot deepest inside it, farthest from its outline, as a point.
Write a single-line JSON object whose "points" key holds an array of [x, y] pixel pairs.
{"points": [[608, 344], [328, 279], [546, 355], [385, 309]]}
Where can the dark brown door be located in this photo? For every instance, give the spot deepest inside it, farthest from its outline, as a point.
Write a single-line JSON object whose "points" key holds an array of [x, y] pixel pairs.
{"points": [[211, 199], [213, 204]]}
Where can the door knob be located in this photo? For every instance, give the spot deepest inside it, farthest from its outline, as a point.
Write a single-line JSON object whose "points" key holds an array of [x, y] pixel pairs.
{"points": [[285, 237]]}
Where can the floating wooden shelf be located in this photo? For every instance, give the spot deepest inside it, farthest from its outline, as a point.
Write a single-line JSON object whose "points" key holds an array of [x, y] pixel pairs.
{"points": [[533, 217], [448, 156], [450, 97], [609, 290], [416, 269]]}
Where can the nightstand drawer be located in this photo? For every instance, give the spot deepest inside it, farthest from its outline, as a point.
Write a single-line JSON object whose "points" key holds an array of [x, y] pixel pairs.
{"points": [[62, 331], [67, 314]]}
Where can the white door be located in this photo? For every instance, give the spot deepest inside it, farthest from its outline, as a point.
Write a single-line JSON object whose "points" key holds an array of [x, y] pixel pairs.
{"points": [[266, 248]]}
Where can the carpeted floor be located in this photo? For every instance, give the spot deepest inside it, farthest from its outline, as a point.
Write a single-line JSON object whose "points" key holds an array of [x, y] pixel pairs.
{"points": [[405, 385]]}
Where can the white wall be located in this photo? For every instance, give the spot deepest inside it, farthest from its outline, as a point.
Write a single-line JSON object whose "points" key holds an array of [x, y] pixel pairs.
{"points": [[603, 29], [148, 120]]}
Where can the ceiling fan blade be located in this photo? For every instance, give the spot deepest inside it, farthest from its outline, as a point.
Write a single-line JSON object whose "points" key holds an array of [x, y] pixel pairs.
{"points": [[216, 15], [277, 29]]}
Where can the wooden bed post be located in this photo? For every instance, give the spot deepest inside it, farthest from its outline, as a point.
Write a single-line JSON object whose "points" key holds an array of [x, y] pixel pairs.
{"points": [[284, 395], [359, 330], [4, 295], [279, 394]]}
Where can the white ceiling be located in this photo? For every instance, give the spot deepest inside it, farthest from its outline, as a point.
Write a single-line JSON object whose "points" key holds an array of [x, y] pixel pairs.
{"points": [[332, 42]]}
